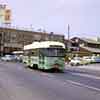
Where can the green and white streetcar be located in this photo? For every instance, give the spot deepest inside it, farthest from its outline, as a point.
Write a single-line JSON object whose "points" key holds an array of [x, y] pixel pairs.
{"points": [[45, 55]]}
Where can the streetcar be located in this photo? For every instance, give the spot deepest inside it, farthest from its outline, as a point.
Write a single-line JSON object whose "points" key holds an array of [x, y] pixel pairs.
{"points": [[45, 55]]}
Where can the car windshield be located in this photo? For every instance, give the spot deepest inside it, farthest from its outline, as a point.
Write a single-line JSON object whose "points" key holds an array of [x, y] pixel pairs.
{"points": [[8, 56], [87, 57], [77, 58]]}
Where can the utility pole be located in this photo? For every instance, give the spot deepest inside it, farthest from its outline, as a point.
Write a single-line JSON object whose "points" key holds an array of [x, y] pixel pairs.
{"points": [[68, 34]]}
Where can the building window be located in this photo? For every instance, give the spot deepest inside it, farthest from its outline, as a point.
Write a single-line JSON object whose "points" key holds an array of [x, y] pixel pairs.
{"points": [[13, 38]]}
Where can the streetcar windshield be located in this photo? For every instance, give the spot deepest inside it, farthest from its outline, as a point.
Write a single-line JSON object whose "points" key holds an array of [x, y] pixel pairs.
{"points": [[53, 52]]}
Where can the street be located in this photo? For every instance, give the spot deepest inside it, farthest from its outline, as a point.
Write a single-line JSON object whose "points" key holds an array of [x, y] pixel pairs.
{"points": [[20, 83]]}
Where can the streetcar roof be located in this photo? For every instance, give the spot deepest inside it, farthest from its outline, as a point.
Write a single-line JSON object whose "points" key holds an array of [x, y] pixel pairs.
{"points": [[17, 52], [44, 44]]}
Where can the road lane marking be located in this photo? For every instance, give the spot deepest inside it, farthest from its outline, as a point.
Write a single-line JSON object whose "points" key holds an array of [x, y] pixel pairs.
{"points": [[90, 68], [83, 85], [73, 82], [86, 75]]}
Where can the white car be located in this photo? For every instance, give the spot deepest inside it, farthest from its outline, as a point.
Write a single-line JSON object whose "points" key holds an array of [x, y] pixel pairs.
{"points": [[76, 61], [88, 59], [95, 59], [8, 58]]}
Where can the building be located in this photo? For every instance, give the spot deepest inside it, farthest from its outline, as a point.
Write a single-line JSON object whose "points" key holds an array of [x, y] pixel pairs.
{"points": [[86, 46], [71, 45], [12, 39]]}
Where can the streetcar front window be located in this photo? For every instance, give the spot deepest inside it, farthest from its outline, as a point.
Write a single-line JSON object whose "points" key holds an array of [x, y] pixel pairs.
{"points": [[60, 52]]}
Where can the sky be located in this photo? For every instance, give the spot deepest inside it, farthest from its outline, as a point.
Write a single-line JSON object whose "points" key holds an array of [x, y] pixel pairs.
{"points": [[83, 16]]}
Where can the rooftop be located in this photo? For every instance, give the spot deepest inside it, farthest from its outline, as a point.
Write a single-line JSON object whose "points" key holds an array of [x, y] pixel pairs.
{"points": [[88, 40]]}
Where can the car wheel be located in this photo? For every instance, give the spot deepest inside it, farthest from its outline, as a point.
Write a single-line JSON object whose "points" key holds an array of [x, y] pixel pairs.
{"points": [[72, 64]]}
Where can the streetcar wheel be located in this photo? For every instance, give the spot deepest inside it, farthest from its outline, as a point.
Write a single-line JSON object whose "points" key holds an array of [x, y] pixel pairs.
{"points": [[35, 66]]}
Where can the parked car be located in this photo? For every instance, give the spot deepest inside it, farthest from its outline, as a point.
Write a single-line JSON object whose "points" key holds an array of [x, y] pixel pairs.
{"points": [[96, 59], [88, 59], [8, 58], [77, 61]]}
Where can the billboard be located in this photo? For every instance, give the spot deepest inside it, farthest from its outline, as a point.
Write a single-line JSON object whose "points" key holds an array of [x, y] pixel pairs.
{"points": [[2, 13], [7, 16]]}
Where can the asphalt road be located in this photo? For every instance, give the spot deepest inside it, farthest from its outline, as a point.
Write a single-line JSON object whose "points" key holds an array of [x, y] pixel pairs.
{"points": [[19, 83], [87, 69]]}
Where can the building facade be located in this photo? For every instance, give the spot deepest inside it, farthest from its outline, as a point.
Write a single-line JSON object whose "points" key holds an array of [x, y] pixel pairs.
{"points": [[86, 46], [12, 39]]}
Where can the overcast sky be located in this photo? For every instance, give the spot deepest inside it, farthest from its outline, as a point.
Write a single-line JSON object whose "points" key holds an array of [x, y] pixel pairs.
{"points": [[83, 16]]}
